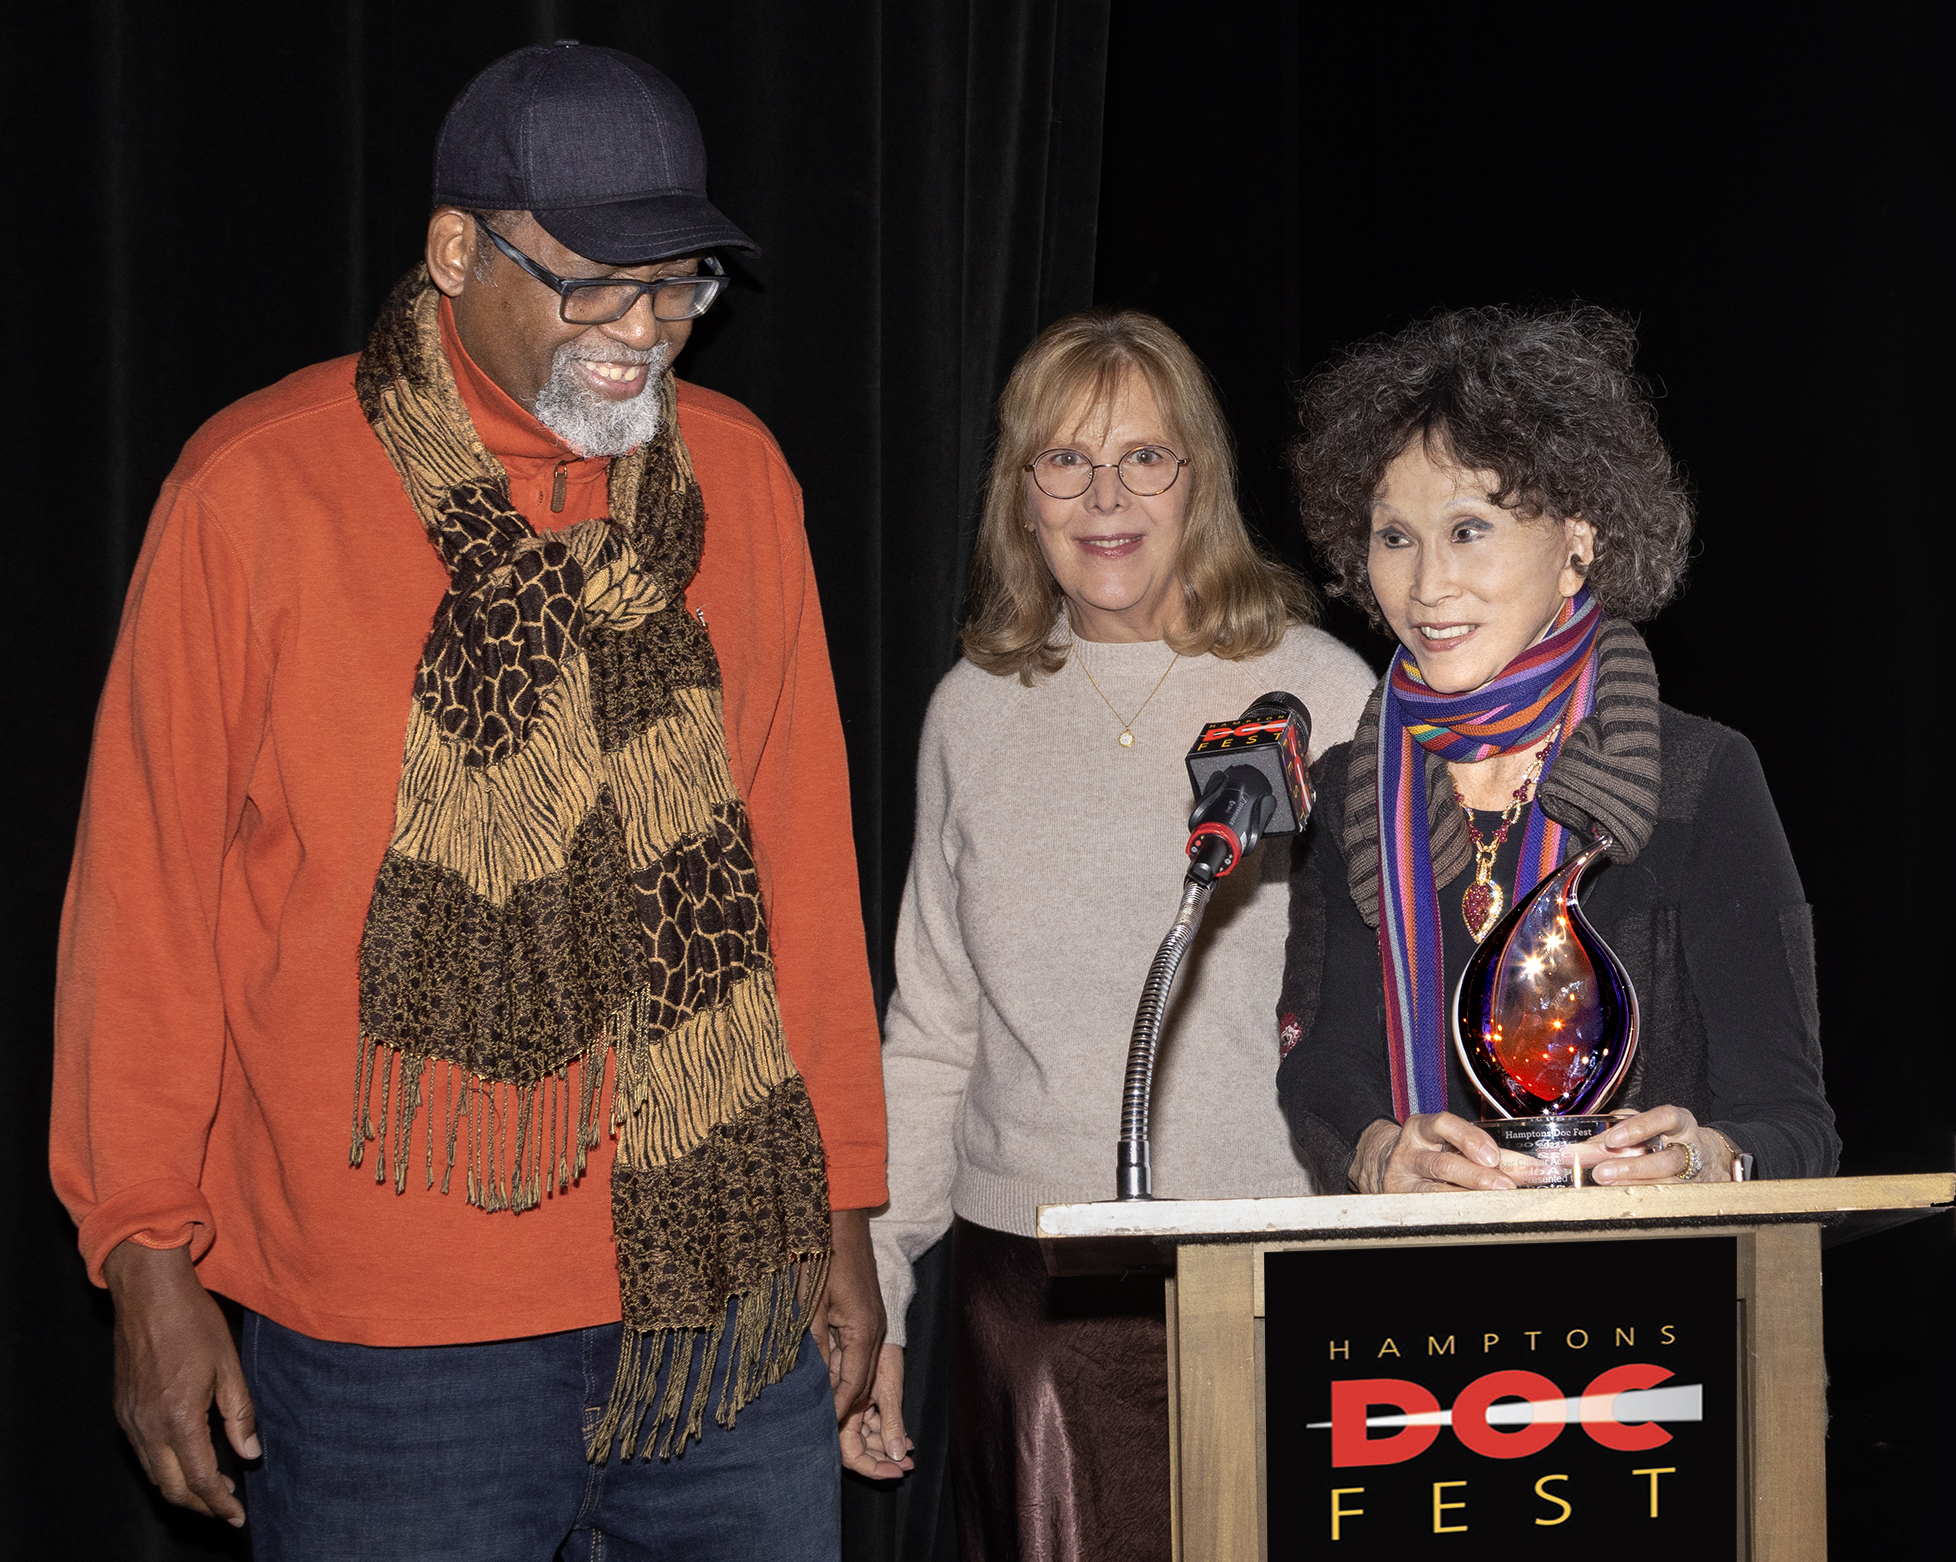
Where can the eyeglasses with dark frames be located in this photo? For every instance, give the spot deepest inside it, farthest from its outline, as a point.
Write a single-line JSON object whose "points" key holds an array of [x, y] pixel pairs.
{"points": [[1144, 471], [601, 300]]}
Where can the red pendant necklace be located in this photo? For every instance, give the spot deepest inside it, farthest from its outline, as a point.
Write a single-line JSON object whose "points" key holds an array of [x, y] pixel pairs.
{"points": [[1482, 903]]}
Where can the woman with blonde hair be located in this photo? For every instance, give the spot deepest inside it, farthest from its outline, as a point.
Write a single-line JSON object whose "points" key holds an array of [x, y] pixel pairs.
{"points": [[1118, 605]]}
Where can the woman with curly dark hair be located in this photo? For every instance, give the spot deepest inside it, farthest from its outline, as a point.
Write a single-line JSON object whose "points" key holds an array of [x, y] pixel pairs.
{"points": [[1490, 485]]}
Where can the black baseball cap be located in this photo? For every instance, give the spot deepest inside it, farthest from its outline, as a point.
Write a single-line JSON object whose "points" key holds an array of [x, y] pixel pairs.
{"points": [[603, 150]]}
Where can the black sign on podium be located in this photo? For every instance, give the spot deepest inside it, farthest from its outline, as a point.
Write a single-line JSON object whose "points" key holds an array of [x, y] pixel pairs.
{"points": [[1508, 1401]]}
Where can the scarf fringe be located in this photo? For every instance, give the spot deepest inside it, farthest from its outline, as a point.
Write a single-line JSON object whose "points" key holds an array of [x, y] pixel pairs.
{"points": [[650, 1410], [671, 1091], [555, 1121]]}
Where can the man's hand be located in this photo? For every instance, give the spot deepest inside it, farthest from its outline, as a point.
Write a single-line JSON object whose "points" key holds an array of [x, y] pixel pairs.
{"points": [[173, 1357], [848, 1329]]}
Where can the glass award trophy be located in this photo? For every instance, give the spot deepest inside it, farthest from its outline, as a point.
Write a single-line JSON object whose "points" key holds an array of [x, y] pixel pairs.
{"points": [[1545, 1023]]}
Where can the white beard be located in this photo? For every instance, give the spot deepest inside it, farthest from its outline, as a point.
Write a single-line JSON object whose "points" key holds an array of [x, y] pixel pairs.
{"points": [[593, 424]]}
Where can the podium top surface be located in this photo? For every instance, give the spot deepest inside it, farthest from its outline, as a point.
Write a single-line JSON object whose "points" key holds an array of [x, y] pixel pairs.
{"points": [[1861, 1202]]}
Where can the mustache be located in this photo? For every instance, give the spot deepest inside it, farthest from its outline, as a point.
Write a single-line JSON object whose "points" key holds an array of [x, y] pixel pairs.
{"points": [[617, 352]]}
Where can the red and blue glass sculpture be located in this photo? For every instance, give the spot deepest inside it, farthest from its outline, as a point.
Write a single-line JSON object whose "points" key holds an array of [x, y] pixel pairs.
{"points": [[1545, 1021]]}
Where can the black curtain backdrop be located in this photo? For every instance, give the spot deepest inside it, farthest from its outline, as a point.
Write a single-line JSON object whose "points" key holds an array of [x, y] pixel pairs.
{"points": [[207, 197]]}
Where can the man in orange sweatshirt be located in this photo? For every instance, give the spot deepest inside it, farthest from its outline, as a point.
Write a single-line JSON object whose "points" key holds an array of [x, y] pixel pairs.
{"points": [[470, 737]]}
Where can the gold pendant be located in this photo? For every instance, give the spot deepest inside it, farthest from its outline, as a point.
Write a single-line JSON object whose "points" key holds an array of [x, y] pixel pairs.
{"points": [[1481, 905], [1127, 738]]}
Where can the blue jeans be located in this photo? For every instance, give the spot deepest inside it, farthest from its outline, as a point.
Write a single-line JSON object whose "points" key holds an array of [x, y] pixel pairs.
{"points": [[476, 1453]]}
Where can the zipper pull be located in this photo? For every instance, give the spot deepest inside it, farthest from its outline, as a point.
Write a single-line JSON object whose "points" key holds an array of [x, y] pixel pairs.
{"points": [[557, 486]]}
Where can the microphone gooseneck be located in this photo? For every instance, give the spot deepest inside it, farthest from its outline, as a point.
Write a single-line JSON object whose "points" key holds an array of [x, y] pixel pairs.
{"points": [[1249, 781], [1134, 1177]]}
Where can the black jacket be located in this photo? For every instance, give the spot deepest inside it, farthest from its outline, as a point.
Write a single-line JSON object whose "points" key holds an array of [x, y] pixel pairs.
{"points": [[1710, 920]]}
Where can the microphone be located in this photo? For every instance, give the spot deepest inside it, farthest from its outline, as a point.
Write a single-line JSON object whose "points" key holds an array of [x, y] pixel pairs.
{"points": [[1249, 781]]}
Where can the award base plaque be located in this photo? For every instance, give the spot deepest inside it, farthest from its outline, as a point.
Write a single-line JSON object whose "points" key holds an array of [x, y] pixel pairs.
{"points": [[1551, 1140]]}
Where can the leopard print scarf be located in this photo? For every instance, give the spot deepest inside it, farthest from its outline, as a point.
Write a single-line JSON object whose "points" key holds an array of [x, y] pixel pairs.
{"points": [[571, 882]]}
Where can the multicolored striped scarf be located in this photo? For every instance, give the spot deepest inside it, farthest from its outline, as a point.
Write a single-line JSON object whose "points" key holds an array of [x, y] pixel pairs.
{"points": [[1553, 681]]}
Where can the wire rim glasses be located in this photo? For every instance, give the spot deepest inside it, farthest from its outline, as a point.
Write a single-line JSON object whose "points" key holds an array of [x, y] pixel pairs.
{"points": [[1145, 471]]}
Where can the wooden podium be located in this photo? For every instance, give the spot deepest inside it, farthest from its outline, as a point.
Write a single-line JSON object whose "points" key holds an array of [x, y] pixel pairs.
{"points": [[1215, 1254]]}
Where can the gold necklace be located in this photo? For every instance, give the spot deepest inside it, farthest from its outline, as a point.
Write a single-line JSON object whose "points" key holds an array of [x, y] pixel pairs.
{"points": [[1126, 739], [1481, 904]]}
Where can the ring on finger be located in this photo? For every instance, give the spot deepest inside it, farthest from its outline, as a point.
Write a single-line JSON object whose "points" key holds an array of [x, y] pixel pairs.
{"points": [[1693, 1161]]}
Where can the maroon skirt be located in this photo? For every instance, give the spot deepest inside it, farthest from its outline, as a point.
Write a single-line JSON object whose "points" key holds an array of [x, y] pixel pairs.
{"points": [[1059, 1408]]}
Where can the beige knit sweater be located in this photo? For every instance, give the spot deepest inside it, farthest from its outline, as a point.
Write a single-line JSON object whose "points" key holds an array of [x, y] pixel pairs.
{"points": [[1047, 866]]}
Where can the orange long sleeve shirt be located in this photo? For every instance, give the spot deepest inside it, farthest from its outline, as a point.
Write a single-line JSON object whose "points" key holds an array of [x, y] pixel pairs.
{"points": [[240, 799]]}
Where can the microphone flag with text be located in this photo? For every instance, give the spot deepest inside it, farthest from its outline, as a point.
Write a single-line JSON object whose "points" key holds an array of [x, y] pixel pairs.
{"points": [[1249, 781]]}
